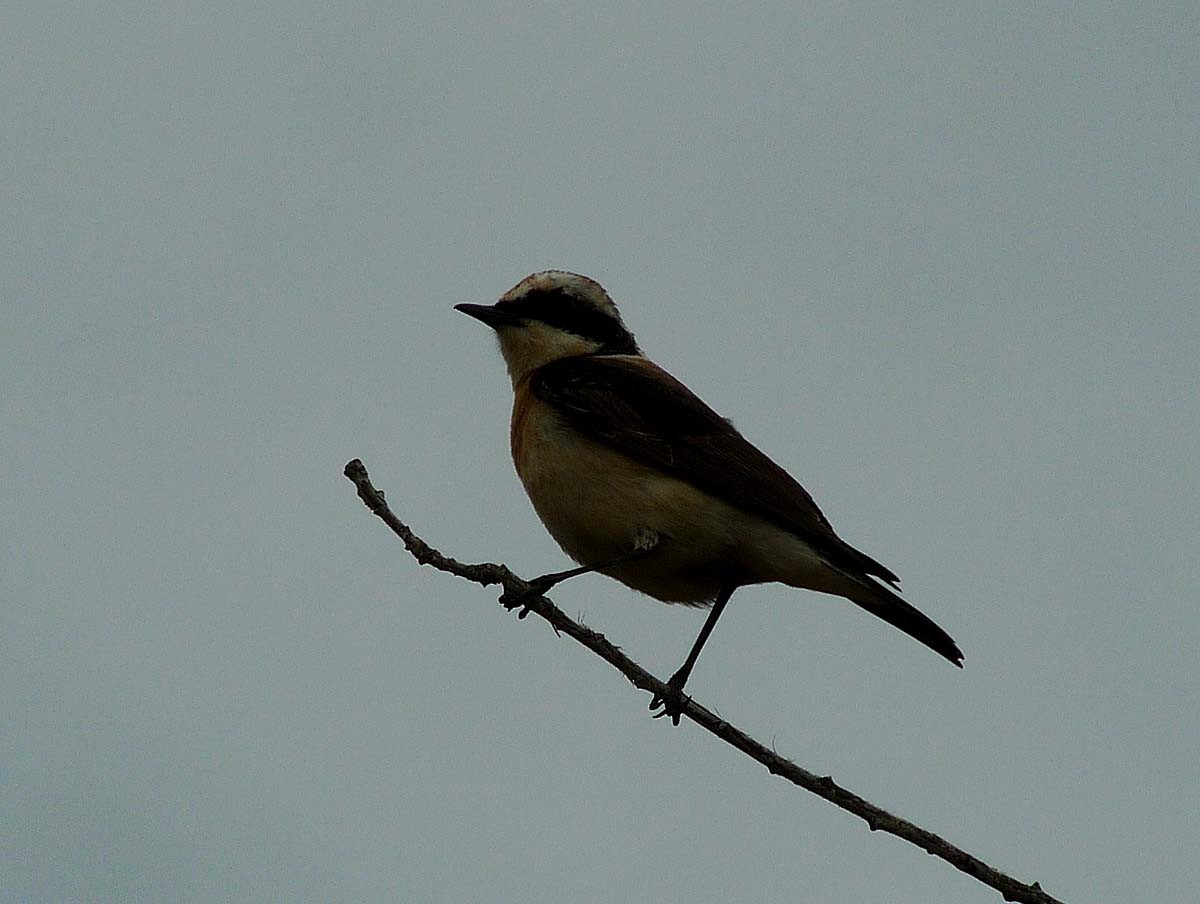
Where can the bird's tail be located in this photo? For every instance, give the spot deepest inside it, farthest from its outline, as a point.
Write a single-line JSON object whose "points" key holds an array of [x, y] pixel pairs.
{"points": [[882, 602]]}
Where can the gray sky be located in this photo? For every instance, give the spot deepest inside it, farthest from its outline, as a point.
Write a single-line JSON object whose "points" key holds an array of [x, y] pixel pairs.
{"points": [[939, 260]]}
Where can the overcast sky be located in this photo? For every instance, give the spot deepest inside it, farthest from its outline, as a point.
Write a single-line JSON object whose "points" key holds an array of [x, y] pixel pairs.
{"points": [[938, 260]]}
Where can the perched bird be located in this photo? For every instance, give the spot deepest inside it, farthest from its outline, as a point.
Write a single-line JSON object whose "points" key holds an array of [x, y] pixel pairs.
{"points": [[637, 478]]}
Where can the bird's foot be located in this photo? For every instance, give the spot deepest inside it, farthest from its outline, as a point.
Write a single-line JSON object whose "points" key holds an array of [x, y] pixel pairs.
{"points": [[514, 599], [671, 703]]}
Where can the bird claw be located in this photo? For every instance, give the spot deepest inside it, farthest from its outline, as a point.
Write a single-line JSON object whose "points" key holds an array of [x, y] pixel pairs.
{"points": [[513, 599], [671, 703]]}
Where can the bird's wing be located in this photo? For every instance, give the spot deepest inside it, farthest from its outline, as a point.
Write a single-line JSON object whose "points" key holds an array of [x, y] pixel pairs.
{"points": [[633, 405]]}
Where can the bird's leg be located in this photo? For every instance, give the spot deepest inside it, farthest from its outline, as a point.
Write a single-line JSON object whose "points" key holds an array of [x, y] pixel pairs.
{"points": [[672, 702], [645, 541]]}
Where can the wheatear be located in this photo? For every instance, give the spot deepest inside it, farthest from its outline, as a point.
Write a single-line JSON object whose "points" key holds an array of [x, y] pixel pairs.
{"points": [[638, 479]]}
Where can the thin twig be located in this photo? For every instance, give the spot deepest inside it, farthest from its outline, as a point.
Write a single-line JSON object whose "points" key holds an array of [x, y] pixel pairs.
{"points": [[823, 786]]}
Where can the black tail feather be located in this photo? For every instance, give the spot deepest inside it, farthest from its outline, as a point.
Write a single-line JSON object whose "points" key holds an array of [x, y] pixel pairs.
{"points": [[883, 603]]}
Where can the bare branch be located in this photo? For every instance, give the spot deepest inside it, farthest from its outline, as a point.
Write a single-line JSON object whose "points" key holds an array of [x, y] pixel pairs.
{"points": [[823, 786]]}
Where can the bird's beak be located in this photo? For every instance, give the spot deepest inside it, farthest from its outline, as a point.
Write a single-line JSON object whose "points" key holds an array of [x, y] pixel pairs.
{"points": [[489, 314]]}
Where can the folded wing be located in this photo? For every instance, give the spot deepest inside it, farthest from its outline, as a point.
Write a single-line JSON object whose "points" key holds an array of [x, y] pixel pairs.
{"points": [[630, 403]]}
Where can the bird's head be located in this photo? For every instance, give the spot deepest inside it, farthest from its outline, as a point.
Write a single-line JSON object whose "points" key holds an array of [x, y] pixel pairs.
{"points": [[551, 315]]}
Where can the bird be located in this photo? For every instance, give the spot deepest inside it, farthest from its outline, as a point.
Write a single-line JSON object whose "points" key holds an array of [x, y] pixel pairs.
{"points": [[638, 479]]}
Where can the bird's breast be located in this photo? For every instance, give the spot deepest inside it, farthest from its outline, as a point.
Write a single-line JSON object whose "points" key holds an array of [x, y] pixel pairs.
{"points": [[587, 495]]}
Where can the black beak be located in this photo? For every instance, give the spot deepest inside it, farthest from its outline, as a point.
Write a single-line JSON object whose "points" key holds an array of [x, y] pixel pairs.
{"points": [[489, 314]]}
